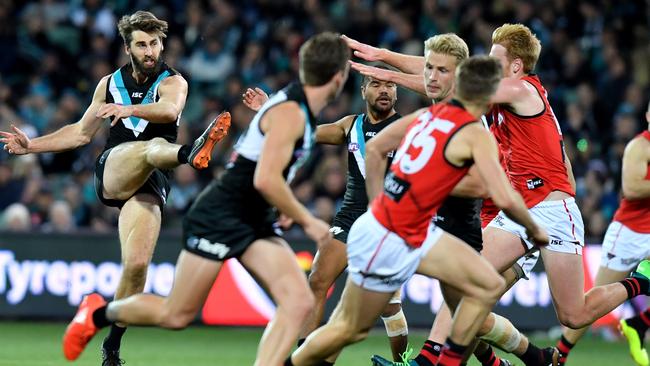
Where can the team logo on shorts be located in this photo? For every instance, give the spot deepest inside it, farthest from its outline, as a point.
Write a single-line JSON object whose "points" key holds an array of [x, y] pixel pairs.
{"points": [[353, 146]]}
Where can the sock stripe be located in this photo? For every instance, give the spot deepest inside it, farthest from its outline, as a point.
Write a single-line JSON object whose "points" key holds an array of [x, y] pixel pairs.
{"points": [[431, 356], [645, 318]]}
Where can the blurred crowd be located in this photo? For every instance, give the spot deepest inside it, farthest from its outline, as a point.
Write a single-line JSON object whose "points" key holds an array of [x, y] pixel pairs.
{"points": [[594, 64]]}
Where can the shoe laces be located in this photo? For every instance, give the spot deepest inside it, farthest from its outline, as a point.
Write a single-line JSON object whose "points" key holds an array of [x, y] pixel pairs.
{"points": [[111, 358], [405, 356]]}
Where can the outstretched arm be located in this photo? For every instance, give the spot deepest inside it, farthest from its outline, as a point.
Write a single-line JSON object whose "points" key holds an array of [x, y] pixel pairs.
{"points": [[66, 138], [414, 82], [334, 133], [405, 63]]}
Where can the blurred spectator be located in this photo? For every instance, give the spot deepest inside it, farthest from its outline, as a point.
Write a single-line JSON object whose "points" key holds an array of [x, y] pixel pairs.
{"points": [[16, 218], [60, 218], [594, 62]]}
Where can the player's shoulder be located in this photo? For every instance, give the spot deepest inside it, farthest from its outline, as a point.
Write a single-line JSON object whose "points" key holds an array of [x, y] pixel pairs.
{"points": [[640, 143]]}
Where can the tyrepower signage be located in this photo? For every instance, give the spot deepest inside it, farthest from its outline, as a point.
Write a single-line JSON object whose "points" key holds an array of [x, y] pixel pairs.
{"points": [[46, 277]]}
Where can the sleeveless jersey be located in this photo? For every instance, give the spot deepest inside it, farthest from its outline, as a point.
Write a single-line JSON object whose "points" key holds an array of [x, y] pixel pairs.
{"points": [[420, 177], [489, 210], [360, 132], [237, 180], [635, 214], [123, 89], [531, 149]]}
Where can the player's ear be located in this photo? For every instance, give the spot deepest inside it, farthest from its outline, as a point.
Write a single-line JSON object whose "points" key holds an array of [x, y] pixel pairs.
{"points": [[127, 49]]}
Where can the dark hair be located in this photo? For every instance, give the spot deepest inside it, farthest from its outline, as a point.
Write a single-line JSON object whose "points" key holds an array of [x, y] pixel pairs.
{"points": [[477, 78], [322, 56], [143, 21]]}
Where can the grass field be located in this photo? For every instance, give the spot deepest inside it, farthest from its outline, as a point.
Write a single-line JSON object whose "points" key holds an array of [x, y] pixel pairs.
{"points": [[38, 344]]}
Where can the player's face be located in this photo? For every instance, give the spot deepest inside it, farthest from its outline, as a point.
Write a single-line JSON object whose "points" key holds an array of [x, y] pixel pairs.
{"points": [[439, 75], [144, 51], [500, 53], [380, 95]]}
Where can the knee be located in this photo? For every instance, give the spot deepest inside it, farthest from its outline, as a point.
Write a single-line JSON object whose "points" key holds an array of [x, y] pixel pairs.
{"points": [[319, 283], [494, 286], [391, 309], [176, 321], [348, 333], [135, 269], [571, 319], [299, 304]]}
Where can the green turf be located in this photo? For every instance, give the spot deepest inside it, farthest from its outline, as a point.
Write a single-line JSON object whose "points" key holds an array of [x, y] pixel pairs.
{"points": [[38, 344]]}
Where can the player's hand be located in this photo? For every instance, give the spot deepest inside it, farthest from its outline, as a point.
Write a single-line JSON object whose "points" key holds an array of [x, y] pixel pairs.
{"points": [[538, 236], [15, 143], [362, 50], [318, 231], [254, 98], [372, 71], [117, 111], [285, 222]]}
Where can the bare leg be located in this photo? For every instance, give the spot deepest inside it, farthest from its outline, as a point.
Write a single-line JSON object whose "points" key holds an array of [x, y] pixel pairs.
{"points": [[572, 336], [457, 265], [139, 226], [574, 308], [274, 264], [396, 326], [354, 316], [129, 165], [193, 280], [331, 259]]}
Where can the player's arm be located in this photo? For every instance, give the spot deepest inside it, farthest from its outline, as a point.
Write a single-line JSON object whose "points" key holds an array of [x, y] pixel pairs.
{"points": [[334, 133], [405, 63], [510, 91], [484, 153], [66, 138], [569, 171], [410, 81], [172, 92], [635, 168], [330, 133], [471, 185], [282, 127], [377, 150]]}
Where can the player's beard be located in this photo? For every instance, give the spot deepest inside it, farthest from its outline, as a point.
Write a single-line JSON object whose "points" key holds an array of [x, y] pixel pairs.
{"points": [[141, 69], [381, 110]]}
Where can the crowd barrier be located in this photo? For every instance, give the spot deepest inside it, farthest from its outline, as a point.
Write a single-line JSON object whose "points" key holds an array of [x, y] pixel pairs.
{"points": [[46, 276]]}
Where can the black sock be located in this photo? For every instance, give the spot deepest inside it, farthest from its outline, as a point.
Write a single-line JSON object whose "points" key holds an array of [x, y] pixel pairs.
{"points": [[488, 357], [99, 317], [184, 153], [429, 354], [288, 362], [112, 341], [452, 354], [301, 341], [635, 286], [532, 356]]}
